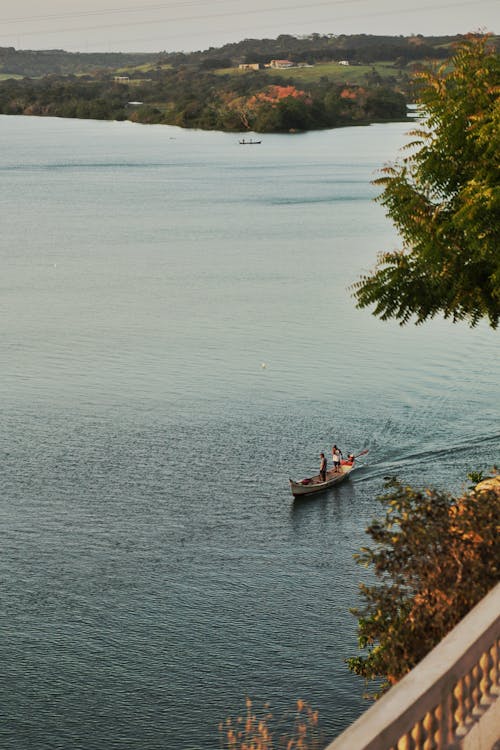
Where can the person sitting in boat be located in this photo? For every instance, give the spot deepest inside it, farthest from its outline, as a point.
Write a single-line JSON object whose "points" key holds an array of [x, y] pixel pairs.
{"points": [[322, 467], [336, 457], [349, 460]]}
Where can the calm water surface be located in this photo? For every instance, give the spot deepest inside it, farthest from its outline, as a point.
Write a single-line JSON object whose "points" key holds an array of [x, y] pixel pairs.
{"points": [[154, 569]]}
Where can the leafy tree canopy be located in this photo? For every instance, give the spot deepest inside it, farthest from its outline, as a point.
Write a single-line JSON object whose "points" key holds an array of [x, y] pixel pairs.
{"points": [[435, 557], [444, 199]]}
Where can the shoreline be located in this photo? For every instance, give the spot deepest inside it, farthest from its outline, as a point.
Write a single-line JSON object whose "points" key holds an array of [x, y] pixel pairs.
{"points": [[259, 133]]}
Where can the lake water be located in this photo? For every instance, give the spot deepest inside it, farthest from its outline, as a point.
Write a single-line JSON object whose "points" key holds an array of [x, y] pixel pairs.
{"points": [[154, 568]]}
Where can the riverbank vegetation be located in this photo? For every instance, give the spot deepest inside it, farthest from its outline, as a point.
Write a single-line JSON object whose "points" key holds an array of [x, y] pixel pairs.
{"points": [[289, 84], [205, 100]]}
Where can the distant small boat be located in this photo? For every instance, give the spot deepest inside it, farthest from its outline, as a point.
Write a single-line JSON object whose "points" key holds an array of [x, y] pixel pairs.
{"points": [[314, 484], [243, 142]]}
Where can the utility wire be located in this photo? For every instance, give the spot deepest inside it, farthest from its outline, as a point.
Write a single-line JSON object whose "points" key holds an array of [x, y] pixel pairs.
{"points": [[183, 5], [210, 3], [106, 11], [240, 14]]}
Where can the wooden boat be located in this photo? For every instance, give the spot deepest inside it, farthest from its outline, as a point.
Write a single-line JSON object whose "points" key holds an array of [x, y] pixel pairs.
{"points": [[314, 484]]}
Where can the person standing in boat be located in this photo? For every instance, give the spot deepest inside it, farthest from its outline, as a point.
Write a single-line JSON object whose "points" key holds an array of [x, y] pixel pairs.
{"points": [[322, 467], [336, 457]]}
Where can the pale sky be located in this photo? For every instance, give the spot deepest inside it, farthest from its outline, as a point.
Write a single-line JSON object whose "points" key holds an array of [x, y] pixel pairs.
{"points": [[185, 25]]}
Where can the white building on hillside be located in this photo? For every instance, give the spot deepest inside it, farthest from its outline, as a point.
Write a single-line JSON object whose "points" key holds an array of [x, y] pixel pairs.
{"points": [[281, 64]]}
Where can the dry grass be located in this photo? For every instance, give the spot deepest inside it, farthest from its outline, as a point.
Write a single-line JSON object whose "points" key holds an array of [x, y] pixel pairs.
{"points": [[297, 730]]}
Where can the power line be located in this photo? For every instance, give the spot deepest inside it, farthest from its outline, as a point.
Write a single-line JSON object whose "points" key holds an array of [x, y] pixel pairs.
{"points": [[106, 11], [210, 3], [240, 14], [180, 19]]}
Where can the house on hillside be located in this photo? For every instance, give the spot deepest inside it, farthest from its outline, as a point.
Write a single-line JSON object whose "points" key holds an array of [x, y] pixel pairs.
{"points": [[249, 66], [343, 62], [121, 79], [281, 64]]}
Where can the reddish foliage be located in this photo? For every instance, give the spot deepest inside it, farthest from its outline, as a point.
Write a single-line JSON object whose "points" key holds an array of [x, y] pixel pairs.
{"points": [[274, 94], [352, 93]]}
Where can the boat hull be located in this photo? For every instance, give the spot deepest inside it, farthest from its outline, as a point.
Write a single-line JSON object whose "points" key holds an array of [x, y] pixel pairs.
{"points": [[314, 484]]}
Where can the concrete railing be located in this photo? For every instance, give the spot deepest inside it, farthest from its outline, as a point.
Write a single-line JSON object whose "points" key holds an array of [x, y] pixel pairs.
{"points": [[450, 701]]}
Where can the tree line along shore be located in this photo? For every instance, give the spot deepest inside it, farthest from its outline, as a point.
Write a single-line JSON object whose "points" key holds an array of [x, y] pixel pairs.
{"points": [[280, 85]]}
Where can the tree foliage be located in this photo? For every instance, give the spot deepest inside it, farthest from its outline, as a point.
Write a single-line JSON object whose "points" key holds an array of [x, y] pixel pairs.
{"points": [[201, 99], [435, 557], [444, 199]]}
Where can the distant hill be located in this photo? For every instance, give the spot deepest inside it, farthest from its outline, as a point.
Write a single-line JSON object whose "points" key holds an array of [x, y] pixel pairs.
{"points": [[314, 48], [35, 63]]}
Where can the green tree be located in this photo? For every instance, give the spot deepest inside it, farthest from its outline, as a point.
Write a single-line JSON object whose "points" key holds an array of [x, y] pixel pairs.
{"points": [[295, 114], [435, 557], [444, 199], [268, 119]]}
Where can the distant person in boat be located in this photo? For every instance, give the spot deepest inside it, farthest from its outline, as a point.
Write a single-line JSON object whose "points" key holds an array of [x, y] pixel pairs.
{"points": [[336, 457], [322, 467]]}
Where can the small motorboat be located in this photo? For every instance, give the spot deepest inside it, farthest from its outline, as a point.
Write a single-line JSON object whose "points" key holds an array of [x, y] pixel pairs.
{"points": [[243, 142], [310, 485]]}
